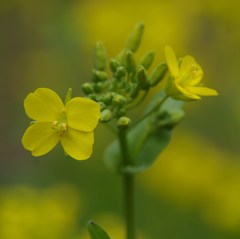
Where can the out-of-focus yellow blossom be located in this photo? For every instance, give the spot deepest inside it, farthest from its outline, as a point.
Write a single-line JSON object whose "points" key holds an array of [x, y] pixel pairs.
{"points": [[27, 212], [161, 29], [71, 124], [201, 177], [184, 82]]}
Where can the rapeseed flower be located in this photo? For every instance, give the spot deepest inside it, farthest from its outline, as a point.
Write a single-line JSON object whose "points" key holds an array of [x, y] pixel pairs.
{"points": [[185, 78], [72, 124]]}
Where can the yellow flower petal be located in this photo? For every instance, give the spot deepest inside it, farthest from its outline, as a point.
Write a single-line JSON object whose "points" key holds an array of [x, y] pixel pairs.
{"points": [[77, 144], [204, 91], [196, 80], [82, 114], [172, 61], [185, 84], [39, 138], [191, 73], [187, 63], [43, 105], [187, 94]]}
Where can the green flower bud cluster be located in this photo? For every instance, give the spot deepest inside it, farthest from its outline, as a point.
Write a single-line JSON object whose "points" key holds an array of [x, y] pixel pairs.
{"points": [[117, 84]]}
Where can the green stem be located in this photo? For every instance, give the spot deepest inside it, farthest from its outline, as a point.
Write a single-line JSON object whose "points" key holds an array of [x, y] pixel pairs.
{"points": [[128, 185], [111, 128], [139, 102], [155, 108]]}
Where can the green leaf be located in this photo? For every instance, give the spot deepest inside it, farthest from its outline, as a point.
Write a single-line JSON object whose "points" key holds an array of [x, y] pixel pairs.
{"points": [[147, 139], [96, 232]]}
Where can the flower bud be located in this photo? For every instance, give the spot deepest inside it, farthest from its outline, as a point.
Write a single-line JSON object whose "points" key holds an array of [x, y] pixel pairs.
{"points": [[134, 90], [126, 58], [114, 64], [124, 122], [106, 115], [99, 86], [99, 56], [121, 57], [121, 72], [135, 37], [99, 75], [87, 88], [107, 98], [130, 62], [142, 78], [93, 97], [147, 59], [158, 74], [119, 99]]}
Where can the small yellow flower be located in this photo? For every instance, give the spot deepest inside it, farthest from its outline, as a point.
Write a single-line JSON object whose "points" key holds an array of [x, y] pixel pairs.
{"points": [[185, 78], [71, 124]]}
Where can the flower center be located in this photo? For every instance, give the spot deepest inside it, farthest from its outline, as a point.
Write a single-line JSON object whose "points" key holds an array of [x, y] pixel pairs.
{"points": [[60, 125], [193, 72]]}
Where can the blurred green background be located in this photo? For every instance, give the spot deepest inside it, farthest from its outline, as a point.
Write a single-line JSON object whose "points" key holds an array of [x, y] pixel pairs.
{"points": [[192, 191]]}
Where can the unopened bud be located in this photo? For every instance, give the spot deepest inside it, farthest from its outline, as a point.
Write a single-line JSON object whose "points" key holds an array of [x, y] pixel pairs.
{"points": [[99, 56], [87, 88], [124, 122], [99, 86], [130, 62], [121, 57], [119, 99], [106, 115], [147, 59], [134, 90], [126, 58], [158, 74], [135, 37], [114, 64], [99, 75], [93, 97], [121, 72], [107, 98], [142, 78], [102, 106]]}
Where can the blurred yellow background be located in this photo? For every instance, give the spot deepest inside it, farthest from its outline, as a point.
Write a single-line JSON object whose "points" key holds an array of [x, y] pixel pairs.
{"points": [[192, 191]]}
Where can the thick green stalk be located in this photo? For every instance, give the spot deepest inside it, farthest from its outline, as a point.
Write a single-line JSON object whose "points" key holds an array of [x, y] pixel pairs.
{"points": [[128, 187], [129, 205]]}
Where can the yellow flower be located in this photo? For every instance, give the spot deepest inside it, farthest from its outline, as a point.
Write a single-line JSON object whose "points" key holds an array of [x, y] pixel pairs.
{"points": [[185, 78], [71, 124]]}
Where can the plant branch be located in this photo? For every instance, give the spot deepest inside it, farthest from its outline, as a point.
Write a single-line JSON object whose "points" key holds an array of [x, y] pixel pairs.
{"points": [[155, 108], [128, 187]]}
